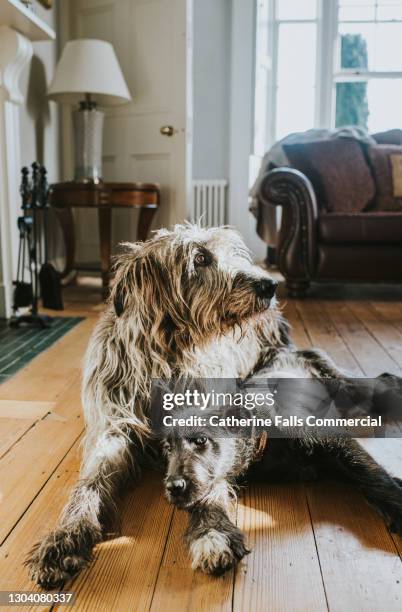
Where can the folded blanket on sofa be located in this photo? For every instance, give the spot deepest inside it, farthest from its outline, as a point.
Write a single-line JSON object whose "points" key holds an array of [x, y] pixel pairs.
{"points": [[268, 218]]}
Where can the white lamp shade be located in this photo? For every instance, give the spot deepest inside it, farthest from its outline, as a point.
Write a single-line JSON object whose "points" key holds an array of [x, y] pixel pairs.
{"points": [[91, 67]]}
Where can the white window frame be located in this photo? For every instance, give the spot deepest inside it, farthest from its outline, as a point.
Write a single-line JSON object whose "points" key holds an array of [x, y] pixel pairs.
{"points": [[273, 43], [345, 75], [328, 70]]}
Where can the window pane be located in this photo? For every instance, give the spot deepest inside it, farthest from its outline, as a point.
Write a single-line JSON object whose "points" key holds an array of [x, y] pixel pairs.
{"points": [[354, 52], [371, 45], [389, 9], [390, 12], [356, 10], [362, 10], [385, 102], [375, 105], [351, 104], [295, 101], [296, 9]]}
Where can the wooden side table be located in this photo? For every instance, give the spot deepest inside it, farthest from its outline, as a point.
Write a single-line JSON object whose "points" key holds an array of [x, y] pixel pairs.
{"points": [[103, 196]]}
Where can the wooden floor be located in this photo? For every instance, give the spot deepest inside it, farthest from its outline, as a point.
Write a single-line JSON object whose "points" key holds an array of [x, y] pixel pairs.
{"points": [[314, 547]]}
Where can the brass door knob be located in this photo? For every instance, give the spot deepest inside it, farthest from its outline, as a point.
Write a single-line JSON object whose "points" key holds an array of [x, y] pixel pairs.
{"points": [[167, 130]]}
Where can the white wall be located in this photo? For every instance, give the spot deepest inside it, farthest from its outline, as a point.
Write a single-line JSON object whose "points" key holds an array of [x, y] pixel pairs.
{"points": [[211, 73], [39, 120], [38, 116], [224, 49], [242, 89]]}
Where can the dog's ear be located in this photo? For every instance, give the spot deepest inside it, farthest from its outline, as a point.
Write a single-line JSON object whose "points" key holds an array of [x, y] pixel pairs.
{"points": [[118, 299], [127, 283], [124, 265]]}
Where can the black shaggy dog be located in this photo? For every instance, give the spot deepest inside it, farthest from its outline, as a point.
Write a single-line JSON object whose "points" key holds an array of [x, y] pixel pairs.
{"points": [[201, 464]]}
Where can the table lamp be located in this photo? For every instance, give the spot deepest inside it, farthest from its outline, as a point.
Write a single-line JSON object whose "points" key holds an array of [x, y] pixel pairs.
{"points": [[88, 74]]}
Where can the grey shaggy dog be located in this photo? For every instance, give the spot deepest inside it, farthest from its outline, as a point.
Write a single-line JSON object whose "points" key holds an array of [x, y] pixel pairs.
{"points": [[202, 463], [187, 303]]}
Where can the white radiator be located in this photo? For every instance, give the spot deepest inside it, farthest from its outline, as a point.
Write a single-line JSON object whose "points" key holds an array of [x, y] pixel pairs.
{"points": [[210, 202]]}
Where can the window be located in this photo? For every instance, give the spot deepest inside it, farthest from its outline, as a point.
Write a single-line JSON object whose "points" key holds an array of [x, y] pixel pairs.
{"points": [[294, 36], [368, 72], [329, 63]]}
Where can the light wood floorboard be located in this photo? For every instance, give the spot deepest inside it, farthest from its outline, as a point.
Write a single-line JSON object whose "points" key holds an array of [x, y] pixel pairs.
{"points": [[314, 547]]}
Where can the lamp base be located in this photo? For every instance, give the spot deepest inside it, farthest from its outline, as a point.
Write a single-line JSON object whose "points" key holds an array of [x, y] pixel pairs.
{"points": [[88, 133]]}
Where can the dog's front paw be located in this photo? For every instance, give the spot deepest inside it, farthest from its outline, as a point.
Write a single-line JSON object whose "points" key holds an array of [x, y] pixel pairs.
{"points": [[216, 552], [60, 557]]}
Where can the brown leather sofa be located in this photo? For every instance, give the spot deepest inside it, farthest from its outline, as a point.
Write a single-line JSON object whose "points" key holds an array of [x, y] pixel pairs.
{"points": [[318, 246]]}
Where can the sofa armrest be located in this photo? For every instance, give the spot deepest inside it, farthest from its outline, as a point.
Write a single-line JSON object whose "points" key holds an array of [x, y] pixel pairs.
{"points": [[297, 244]]}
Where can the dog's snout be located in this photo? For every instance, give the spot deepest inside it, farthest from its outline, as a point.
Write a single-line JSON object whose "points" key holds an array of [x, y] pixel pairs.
{"points": [[265, 288], [176, 486]]}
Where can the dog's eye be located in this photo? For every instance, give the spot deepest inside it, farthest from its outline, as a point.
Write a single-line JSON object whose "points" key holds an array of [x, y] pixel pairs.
{"points": [[200, 259], [166, 448], [199, 441]]}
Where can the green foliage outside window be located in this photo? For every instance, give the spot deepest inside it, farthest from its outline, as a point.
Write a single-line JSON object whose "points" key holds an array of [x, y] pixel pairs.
{"points": [[351, 98]]}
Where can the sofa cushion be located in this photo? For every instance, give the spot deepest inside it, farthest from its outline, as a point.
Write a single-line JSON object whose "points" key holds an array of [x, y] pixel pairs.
{"points": [[390, 137], [386, 165], [365, 227], [338, 171]]}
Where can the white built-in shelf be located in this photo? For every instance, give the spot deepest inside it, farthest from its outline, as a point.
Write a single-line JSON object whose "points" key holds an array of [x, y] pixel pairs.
{"points": [[17, 16]]}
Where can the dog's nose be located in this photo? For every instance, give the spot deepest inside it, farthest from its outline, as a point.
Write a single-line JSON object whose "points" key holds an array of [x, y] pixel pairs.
{"points": [[177, 486], [265, 288]]}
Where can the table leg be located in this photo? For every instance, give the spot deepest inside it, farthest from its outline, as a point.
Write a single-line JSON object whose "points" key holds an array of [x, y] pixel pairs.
{"points": [[105, 239], [66, 220], [144, 222]]}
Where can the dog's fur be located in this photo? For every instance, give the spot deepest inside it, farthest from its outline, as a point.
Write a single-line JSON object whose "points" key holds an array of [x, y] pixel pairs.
{"points": [[204, 470], [185, 303]]}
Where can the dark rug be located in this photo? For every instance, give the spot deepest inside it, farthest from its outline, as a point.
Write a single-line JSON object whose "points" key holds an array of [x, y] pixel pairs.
{"points": [[19, 346]]}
